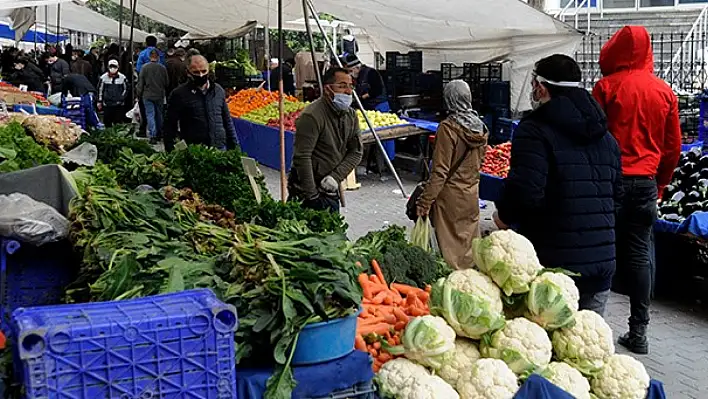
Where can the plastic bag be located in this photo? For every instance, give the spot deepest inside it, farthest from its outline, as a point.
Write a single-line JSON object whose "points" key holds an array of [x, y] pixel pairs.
{"points": [[30, 221], [423, 235], [55, 99], [85, 154], [134, 114]]}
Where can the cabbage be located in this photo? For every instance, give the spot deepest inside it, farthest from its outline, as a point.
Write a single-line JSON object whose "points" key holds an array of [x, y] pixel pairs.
{"points": [[425, 340], [552, 301], [469, 314]]}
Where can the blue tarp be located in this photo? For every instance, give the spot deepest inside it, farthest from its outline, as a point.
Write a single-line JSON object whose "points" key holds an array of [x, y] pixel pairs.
{"points": [[421, 124], [7, 33], [696, 224], [537, 387], [312, 381]]}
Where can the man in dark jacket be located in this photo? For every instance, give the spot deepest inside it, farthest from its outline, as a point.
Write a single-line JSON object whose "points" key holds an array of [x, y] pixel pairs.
{"points": [[643, 115], [369, 85], [197, 111], [565, 181], [288, 77], [58, 69], [79, 86], [28, 74], [327, 146], [81, 66], [176, 69]]}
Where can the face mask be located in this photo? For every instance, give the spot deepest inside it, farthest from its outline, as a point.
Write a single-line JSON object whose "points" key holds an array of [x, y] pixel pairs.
{"points": [[198, 80], [18, 67], [342, 101], [73, 57], [112, 69], [535, 103]]}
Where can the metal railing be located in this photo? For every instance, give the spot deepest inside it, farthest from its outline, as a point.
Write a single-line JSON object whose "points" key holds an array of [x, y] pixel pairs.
{"points": [[560, 15], [686, 72], [688, 63]]}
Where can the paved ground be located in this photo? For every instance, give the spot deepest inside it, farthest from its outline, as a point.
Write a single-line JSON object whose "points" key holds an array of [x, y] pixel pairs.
{"points": [[678, 332]]}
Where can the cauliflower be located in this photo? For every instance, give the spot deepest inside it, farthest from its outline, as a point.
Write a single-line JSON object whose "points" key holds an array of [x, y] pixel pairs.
{"points": [[487, 379], [623, 377], [402, 379], [585, 345], [458, 360], [508, 258], [552, 300], [521, 344], [567, 378], [469, 301], [426, 339]]}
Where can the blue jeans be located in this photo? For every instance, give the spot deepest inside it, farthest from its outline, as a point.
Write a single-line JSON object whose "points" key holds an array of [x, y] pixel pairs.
{"points": [[153, 116]]}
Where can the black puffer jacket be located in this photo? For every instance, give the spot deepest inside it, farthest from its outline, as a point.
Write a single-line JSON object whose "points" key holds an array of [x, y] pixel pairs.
{"points": [[564, 186], [199, 118]]}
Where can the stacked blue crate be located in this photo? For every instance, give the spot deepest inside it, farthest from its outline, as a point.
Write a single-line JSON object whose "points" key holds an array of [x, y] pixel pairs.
{"points": [[73, 109], [177, 345]]}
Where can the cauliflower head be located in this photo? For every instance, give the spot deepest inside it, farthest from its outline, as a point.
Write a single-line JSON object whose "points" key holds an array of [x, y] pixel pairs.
{"points": [[552, 300], [457, 361], [402, 379], [586, 344], [469, 301], [508, 258], [567, 378], [425, 340], [487, 379], [521, 344], [623, 377]]}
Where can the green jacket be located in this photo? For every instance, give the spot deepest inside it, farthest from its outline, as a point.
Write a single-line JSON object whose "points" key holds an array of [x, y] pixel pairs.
{"points": [[327, 143]]}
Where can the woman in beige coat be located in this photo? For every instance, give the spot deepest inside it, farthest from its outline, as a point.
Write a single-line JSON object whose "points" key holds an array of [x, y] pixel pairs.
{"points": [[451, 196]]}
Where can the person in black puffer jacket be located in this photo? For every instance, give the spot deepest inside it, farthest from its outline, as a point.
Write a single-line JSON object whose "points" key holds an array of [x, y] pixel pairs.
{"points": [[564, 185]]}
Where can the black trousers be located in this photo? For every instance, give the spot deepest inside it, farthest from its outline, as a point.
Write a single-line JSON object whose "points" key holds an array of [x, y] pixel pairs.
{"points": [[113, 115], [635, 221]]}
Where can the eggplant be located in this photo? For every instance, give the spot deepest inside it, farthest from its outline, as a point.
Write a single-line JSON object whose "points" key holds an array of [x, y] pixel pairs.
{"points": [[669, 208], [673, 218], [703, 162], [680, 173], [704, 173], [695, 196], [692, 207], [670, 190], [694, 154], [678, 197], [690, 168]]}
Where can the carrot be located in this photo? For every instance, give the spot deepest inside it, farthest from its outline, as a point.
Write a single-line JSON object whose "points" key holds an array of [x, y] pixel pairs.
{"points": [[377, 345], [379, 328], [374, 279], [371, 320], [415, 312], [397, 339], [428, 288], [384, 357], [388, 299], [376, 288], [400, 315], [365, 285], [400, 325], [379, 298], [423, 296], [377, 270], [391, 341], [397, 298], [406, 289], [359, 343], [418, 303], [390, 318], [373, 352]]}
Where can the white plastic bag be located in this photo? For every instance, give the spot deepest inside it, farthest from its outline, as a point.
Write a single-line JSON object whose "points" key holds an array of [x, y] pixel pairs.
{"points": [[423, 235], [30, 221], [134, 114]]}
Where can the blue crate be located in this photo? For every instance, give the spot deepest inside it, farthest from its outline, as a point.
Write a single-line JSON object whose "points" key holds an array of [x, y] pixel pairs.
{"points": [[365, 390], [32, 276], [177, 345]]}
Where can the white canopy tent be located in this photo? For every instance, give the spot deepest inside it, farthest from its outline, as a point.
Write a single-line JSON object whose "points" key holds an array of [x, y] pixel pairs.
{"points": [[446, 31], [78, 18]]}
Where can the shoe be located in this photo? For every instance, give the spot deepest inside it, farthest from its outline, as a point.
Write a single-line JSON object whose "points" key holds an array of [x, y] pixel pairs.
{"points": [[634, 343]]}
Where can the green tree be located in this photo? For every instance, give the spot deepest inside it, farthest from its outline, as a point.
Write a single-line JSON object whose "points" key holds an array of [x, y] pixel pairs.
{"points": [[112, 10]]}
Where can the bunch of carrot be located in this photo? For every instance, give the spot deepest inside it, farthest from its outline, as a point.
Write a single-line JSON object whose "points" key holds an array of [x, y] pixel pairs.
{"points": [[248, 100], [386, 312]]}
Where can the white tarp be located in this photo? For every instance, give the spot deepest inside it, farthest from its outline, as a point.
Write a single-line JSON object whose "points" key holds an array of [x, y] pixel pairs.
{"points": [[446, 31], [78, 18]]}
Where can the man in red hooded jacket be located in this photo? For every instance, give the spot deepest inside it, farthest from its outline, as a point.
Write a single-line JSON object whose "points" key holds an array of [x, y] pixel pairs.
{"points": [[642, 114]]}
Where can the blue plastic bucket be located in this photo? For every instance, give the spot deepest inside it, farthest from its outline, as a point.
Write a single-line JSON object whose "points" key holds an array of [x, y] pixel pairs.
{"points": [[325, 341]]}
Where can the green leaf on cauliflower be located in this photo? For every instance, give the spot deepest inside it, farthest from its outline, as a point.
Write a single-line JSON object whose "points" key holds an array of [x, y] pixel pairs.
{"points": [[521, 344], [426, 340], [552, 301], [586, 344]]}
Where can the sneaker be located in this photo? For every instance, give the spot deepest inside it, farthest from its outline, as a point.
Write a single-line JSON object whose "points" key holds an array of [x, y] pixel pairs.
{"points": [[634, 343]]}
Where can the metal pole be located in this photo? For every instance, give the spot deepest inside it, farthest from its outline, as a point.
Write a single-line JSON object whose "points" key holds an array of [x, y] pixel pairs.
{"points": [[58, 22], [46, 27], [266, 51], [35, 34], [312, 46], [358, 102], [120, 24], [134, 6], [281, 102]]}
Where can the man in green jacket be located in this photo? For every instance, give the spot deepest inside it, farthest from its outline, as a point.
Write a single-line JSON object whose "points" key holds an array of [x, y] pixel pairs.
{"points": [[327, 144]]}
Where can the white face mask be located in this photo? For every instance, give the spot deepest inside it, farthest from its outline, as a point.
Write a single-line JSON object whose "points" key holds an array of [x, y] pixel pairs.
{"points": [[535, 103], [113, 69], [342, 101]]}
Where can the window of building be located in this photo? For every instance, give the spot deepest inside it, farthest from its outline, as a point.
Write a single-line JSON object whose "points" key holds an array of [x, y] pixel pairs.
{"points": [[656, 3], [692, 1]]}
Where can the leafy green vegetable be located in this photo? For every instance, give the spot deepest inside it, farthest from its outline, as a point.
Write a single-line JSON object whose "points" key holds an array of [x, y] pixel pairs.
{"points": [[133, 170], [111, 141], [19, 151], [412, 265], [273, 211]]}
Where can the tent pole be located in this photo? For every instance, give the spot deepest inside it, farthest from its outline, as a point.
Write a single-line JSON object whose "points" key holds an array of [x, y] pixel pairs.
{"points": [[266, 48], [358, 102], [46, 27], [58, 22], [312, 46], [281, 101], [133, 6], [35, 34], [120, 24]]}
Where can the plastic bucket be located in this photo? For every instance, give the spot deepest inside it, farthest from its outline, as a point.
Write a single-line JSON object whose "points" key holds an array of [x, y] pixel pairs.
{"points": [[325, 341]]}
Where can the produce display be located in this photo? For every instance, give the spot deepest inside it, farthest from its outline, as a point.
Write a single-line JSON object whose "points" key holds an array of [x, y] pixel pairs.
{"points": [[379, 119], [242, 61], [496, 160], [41, 100], [270, 114], [20, 151], [688, 190], [248, 100], [478, 353]]}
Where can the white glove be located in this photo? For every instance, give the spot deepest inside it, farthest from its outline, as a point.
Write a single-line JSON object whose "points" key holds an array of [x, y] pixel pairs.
{"points": [[329, 185]]}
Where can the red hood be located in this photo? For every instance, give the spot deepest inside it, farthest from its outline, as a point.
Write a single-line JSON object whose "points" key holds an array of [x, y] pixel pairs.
{"points": [[629, 48]]}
